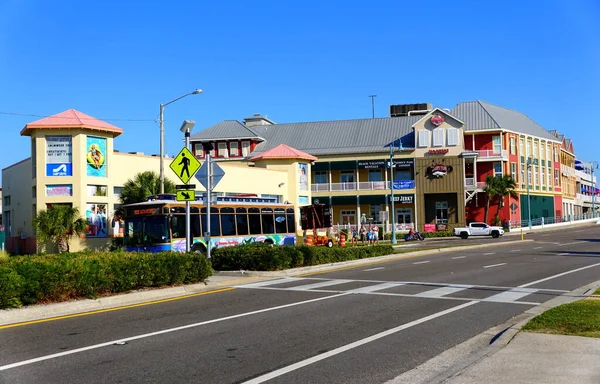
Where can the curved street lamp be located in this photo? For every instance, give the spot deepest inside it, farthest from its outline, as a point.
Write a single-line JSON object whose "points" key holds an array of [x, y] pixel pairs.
{"points": [[162, 136]]}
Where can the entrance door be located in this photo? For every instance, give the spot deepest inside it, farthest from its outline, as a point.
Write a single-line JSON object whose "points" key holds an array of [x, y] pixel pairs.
{"points": [[404, 216], [348, 217], [441, 212]]}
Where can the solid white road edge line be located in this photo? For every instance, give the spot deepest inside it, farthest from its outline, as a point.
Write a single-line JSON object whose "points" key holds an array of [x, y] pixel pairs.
{"points": [[493, 265], [314, 359], [169, 330], [575, 242], [558, 275]]}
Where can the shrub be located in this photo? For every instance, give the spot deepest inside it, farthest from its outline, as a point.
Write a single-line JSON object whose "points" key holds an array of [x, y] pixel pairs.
{"points": [[34, 279], [438, 234]]}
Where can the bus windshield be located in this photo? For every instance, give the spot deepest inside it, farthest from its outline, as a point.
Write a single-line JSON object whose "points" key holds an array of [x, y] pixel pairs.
{"points": [[146, 230]]}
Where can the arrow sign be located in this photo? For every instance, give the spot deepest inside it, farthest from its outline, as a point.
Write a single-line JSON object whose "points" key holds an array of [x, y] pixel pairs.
{"points": [[185, 195], [185, 165], [217, 174]]}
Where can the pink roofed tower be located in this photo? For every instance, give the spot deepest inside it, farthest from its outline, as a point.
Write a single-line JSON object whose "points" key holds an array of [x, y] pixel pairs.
{"points": [[283, 151], [71, 119]]}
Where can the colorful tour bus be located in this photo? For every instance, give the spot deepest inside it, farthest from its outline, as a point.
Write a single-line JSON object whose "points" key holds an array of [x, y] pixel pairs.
{"points": [[159, 224]]}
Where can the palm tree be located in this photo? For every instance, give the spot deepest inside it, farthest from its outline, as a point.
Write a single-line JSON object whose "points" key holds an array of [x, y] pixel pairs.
{"points": [[144, 184], [57, 224], [491, 191], [505, 187]]}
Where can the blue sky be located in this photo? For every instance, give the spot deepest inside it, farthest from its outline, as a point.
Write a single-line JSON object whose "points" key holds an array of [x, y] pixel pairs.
{"points": [[293, 61]]}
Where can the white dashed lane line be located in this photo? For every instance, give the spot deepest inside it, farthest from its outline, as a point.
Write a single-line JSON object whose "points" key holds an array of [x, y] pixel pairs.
{"points": [[373, 269], [489, 253], [421, 262], [564, 254], [538, 247], [493, 265], [516, 250], [458, 257]]}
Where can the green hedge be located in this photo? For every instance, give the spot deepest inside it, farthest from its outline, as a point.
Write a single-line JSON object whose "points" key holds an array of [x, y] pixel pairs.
{"points": [[438, 234], [48, 278], [263, 257]]}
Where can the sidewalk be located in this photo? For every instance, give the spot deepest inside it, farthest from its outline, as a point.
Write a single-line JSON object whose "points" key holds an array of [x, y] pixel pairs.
{"points": [[538, 358]]}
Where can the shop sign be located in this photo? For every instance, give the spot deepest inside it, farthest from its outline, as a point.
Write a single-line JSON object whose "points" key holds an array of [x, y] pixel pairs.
{"points": [[438, 170], [371, 164], [404, 184], [437, 119], [439, 151], [59, 156], [402, 163], [403, 199], [429, 227], [59, 190]]}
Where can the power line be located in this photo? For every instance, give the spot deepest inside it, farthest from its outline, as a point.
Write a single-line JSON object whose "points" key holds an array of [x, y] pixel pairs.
{"points": [[67, 117]]}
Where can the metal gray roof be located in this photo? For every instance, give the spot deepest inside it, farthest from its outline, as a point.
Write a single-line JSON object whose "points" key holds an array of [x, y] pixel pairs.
{"points": [[479, 115], [328, 137], [227, 129]]}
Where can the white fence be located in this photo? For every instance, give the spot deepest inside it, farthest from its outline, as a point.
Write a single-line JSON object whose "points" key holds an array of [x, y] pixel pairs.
{"points": [[386, 227], [554, 221]]}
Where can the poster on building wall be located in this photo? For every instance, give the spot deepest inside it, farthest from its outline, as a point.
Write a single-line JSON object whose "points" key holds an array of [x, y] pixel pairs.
{"points": [[59, 190], [96, 220], [96, 156], [404, 184], [59, 152], [303, 177]]}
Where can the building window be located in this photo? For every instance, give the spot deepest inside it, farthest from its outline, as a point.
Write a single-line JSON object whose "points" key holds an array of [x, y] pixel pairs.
{"points": [[321, 177], [374, 212], [513, 171], [33, 192], [529, 175], [535, 149], [245, 148], [536, 177], [198, 151], [96, 190], [542, 150], [523, 173], [423, 138], [233, 149], [556, 178], [521, 146], [543, 176], [528, 148], [441, 212], [497, 148], [404, 216], [347, 217], [6, 201], [222, 150], [498, 170], [549, 177], [513, 147], [347, 177], [556, 154], [117, 191], [403, 174], [548, 152], [375, 175], [452, 136], [438, 137]]}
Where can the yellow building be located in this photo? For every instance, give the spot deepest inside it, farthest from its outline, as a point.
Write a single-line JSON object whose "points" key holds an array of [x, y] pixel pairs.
{"points": [[73, 161]]}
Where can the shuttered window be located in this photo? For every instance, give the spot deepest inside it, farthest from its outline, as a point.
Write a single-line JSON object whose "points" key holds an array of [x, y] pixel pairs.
{"points": [[438, 137], [452, 134], [424, 138]]}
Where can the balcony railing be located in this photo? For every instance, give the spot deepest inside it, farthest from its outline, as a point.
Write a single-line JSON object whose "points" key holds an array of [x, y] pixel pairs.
{"points": [[491, 154], [471, 184], [351, 186]]}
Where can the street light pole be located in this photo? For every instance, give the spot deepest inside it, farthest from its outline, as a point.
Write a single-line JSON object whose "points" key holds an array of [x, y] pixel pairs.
{"points": [[594, 164], [393, 213], [528, 188], [162, 136], [186, 128]]}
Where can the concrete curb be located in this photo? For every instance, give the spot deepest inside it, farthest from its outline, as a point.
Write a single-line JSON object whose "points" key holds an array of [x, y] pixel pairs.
{"points": [[453, 362], [218, 281]]}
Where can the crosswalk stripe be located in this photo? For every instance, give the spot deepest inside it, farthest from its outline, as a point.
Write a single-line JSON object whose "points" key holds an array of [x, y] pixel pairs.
{"points": [[439, 292], [376, 287], [272, 282], [511, 295], [321, 284]]}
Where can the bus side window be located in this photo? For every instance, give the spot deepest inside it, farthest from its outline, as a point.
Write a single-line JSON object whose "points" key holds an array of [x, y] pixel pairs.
{"points": [[227, 222], [178, 226], [291, 220], [241, 219], [215, 226], [280, 224], [268, 223], [254, 221]]}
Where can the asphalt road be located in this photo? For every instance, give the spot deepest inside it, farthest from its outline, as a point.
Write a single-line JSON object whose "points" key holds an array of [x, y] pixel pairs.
{"points": [[357, 325]]}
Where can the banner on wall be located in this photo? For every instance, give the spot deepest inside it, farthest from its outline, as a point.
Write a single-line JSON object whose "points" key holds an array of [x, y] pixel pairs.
{"points": [[303, 177], [404, 184], [96, 156], [96, 217], [59, 190], [59, 150]]}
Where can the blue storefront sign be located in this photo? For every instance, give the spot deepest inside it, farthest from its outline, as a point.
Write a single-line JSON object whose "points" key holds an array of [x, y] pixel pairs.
{"points": [[63, 169], [404, 184]]}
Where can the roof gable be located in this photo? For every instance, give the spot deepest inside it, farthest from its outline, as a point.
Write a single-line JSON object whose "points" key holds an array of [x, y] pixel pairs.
{"points": [[228, 129], [438, 110], [71, 118], [283, 151]]}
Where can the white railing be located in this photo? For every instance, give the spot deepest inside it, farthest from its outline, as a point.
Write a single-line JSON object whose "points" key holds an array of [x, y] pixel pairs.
{"points": [[587, 198], [471, 184], [489, 153], [361, 186], [542, 221], [386, 227]]}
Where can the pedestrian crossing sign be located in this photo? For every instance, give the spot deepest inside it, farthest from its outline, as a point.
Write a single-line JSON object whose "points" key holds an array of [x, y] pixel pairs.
{"points": [[185, 195], [185, 165]]}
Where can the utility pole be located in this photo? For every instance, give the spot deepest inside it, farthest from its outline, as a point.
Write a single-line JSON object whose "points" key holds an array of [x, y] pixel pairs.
{"points": [[373, 105]]}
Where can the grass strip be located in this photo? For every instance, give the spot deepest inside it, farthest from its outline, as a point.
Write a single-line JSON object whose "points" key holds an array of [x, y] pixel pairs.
{"points": [[580, 318]]}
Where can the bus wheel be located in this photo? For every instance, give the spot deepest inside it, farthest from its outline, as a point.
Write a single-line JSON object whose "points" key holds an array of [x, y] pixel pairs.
{"points": [[199, 248], [270, 242]]}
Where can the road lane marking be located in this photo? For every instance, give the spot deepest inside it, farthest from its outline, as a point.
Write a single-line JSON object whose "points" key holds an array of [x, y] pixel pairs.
{"points": [[458, 257], [377, 287], [164, 331], [489, 253], [563, 254], [275, 281], [493, 265], [558, 275], [439, 292], [373, 269], [516, 250], [538, 247], [358, 343], [422, 262], [511, 295], [320, 284], [575, 242], [115, 309]]}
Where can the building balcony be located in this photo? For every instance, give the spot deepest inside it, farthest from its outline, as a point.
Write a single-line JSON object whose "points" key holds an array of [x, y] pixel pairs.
{"points": [[472, 185], [361, 186], [491, 155]]}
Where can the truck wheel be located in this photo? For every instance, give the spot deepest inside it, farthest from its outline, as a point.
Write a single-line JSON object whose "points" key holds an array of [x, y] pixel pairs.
{"points": [[329, 244], [464, 235], [495, 234]]}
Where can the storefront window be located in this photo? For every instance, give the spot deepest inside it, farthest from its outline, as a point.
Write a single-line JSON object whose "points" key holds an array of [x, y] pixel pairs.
{"points": [[375, 175], [347, 177], [321, 177], [441, 212]]}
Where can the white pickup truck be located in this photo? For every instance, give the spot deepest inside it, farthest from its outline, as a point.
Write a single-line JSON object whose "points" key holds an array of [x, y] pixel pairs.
{"points": [[478, 229]]}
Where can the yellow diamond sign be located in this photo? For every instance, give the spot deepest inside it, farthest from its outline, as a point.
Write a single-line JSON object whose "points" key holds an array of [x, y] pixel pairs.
{"points": [[185, 165]]}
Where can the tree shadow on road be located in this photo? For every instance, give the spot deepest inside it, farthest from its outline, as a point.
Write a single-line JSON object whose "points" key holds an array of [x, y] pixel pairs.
{"points": [[578, 254], [590, 240]]}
